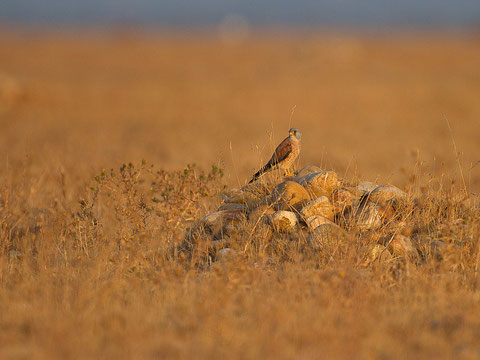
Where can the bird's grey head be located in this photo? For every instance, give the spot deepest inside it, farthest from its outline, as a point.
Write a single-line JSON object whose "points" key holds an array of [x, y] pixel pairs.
{"points": [[295, 132]]}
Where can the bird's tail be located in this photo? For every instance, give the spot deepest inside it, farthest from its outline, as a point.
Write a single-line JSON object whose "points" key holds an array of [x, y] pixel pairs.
{"points": [[260, 172]]}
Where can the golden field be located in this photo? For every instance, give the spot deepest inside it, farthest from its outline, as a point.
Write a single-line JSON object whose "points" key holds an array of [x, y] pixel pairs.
{"points": [[89, 259]]}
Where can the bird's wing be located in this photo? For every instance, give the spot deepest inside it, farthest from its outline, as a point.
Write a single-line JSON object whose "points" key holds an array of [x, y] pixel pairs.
{"points": [[281, 152]]}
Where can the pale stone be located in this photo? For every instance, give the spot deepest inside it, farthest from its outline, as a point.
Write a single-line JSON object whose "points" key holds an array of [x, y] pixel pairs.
{"points": [[309, 169], [386, 193], [289, 195], [232, 207], [363, 187], [437, 248], [213, 219], [238, 197], [221, 218], [432, 248], [378, 253], [320, 206], [227, 194], [387, 211], [327, 180], [284, 220], [387, 198], [342, 199], [326, 235], [315, 191], [260, 212], [342, 196], [225, 254], [315, 221], [366, 186], [368, 217], [402, 246], [445, 251]]}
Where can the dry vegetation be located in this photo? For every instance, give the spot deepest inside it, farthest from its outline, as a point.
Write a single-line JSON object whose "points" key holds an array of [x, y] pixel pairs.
{"points": [[105, 258]]}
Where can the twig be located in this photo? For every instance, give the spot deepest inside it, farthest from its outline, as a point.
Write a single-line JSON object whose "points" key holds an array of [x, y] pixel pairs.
{"points": [[475, 164], [234, 166], [291, 116], [457, 156]]}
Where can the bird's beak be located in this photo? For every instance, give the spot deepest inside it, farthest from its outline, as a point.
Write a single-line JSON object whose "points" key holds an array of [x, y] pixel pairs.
{"points": [[291, 133]]}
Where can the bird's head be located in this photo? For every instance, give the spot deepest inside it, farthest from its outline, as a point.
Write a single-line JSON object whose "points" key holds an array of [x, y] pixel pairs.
{"points": [[295, 133]]}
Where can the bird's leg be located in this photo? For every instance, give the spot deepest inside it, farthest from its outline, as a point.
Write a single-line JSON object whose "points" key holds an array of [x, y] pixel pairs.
{"points": [[288, 172]]}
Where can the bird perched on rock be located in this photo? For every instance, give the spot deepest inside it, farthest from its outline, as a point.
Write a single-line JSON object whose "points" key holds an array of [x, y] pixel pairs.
{"points": [[284, 156]]}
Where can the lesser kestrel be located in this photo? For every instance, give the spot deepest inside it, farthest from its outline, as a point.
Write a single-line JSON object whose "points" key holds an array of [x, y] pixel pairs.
{"points": [[284, 156]]}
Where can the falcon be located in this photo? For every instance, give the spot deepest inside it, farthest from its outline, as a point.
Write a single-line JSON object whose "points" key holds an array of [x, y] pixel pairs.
{"points": [[284, 156]]}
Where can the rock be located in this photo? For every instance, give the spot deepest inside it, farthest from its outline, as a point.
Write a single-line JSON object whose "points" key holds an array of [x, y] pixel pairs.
{"points": [[402, 246], [338, 209], [261, 201], [326, 235], [387, 193], [367, 217], [342, 196], [438, 247], [315, 191], [327, 180], [378, 253], [388, 198], [387, 211], [232, 207], [315, 221], [320, 207], [433, 248], [212, 219], [309, 169], [237, 196], [263, 232], [341, 200], [226, 255], [365, 187], [284, 221], [219, 219], [289, 195], [260, 212], [228, 194]]}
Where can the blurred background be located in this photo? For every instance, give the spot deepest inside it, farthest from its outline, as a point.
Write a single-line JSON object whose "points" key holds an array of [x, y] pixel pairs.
{"points": [[383, 90], [371, 14], [373, 85]]}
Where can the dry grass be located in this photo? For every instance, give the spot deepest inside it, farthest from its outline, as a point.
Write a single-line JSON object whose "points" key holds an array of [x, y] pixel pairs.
{"points": [[95, 263]]}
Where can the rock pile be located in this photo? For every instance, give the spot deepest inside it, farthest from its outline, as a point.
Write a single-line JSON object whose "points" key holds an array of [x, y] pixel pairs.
{"points": [[314, 202]]}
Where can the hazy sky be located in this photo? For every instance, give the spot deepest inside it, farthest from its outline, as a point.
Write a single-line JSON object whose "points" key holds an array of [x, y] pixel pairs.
{"points": [[191, 13]]}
